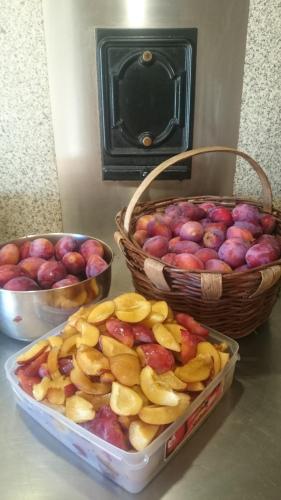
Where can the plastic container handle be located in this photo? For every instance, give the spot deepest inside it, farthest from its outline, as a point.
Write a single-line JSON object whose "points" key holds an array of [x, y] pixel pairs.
{"points": [[266, 188]]}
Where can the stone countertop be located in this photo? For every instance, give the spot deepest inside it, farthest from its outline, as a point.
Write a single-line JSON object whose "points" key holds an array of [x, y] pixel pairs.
{"points": [[234, 455]]}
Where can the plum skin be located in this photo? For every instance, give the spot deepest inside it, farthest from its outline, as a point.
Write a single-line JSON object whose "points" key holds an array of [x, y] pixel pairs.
{"points": [[21, 284], [50, 272]]}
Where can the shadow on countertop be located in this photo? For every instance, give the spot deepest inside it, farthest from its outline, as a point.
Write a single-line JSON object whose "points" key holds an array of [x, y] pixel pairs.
{"points": [[174, 470], [260, 351]]}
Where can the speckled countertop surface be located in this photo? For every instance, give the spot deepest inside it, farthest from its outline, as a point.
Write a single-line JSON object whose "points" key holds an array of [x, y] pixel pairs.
{"points": [[29, 194], [260, 125]]}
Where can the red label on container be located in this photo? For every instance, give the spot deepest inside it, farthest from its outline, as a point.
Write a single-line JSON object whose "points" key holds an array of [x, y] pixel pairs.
{"points": [[197, 416], [175, 440], [193, 420]]}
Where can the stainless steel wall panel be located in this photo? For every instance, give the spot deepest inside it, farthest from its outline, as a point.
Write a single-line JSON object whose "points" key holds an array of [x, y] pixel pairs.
{"points": [[88, 203]]}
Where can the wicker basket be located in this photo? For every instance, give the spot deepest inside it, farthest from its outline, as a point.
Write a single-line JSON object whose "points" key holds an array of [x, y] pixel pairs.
{"points": [[235, 303]]}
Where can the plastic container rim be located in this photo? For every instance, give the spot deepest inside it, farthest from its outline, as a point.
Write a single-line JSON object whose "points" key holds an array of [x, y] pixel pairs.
{"points": [[139, 457]]}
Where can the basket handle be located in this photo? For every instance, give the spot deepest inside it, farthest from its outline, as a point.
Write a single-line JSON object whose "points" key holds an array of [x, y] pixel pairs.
{"points": [[269, 277], [266, 189]]}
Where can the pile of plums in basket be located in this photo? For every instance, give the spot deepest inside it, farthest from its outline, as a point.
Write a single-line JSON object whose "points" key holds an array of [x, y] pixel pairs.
{"points": [[40, 264], [210, 237]]}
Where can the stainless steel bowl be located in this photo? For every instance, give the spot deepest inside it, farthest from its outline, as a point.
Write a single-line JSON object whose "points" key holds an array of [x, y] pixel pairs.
{"points": [[28, 315]]}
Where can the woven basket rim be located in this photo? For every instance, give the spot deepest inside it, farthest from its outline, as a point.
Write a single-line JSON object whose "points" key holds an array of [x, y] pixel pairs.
{"points": [[197, 199]]}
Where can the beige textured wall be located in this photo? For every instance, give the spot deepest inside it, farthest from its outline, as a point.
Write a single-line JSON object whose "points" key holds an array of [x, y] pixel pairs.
{"points": [[29, 195], [260, 122]]}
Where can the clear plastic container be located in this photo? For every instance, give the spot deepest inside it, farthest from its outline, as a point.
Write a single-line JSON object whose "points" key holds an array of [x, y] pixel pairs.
{"points": [[130, 470]]}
